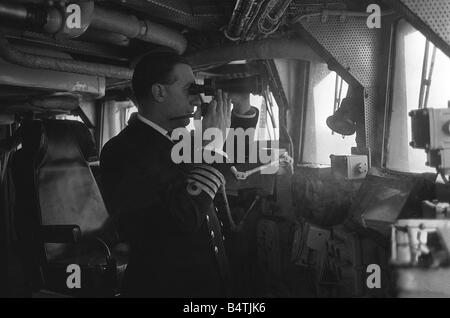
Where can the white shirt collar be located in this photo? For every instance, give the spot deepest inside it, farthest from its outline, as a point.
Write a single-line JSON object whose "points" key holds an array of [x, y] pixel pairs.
{"points": [[156, 127], [164, 132]]}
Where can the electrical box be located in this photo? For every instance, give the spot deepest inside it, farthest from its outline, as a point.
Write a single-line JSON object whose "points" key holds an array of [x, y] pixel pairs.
{"points": [[430, 128], [431, 132], [309, 242], [351, 167]]}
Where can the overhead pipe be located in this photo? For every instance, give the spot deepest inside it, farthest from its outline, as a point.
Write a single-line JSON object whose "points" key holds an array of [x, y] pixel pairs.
{"points": [[340, 13], [51, 20], [15, 56], [60, 103], [56, 102], [246, 12], [294, 48], [181, 12], [269, 21], [241, 15], [100, 36], [144, 30], [14, 12], [276, 9]]}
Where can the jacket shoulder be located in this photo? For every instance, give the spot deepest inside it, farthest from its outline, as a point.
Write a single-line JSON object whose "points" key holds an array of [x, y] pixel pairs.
{"points": [[119, 146]]}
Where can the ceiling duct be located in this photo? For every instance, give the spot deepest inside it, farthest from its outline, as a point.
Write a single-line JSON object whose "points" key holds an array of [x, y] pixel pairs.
{"points": [[15, 56], [51, 20], [16, 80], [134, 28], [46, 19], [197, 17], [294, 48], [63, 103]]}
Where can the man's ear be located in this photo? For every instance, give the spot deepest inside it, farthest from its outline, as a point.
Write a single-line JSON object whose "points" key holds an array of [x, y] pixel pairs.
{"points": [[158, 92]]}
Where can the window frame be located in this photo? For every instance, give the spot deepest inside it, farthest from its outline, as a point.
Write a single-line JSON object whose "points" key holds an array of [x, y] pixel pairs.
{"points": [[390, 89], [303, 144]]}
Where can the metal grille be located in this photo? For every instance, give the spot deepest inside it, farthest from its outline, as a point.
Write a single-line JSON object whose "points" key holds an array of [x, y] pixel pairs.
{"points": [[370, 116], [435, 14], [351, 43]]}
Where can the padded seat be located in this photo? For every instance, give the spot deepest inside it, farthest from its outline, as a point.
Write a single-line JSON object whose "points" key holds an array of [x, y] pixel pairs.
{"points": [[60, 214]]}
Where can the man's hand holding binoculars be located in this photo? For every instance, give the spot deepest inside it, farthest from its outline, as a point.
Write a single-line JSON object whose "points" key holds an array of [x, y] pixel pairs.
{"points": [[241, 103], [218, 116]]}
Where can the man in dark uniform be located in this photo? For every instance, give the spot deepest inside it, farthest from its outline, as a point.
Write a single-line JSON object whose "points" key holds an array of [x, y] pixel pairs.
{"points": [[165, 210]]}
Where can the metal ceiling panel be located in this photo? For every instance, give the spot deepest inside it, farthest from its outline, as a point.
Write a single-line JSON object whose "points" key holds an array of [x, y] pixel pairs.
{"points": [[430, 17], [350, 42]]}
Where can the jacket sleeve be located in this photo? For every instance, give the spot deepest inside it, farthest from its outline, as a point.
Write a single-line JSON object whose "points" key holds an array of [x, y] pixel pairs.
{"points": [[191, 198], [145, 196], [248, 123], [143, 193], [245, 121]]}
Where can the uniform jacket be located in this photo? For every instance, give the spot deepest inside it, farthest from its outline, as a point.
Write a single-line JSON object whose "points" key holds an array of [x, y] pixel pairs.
{"points": [[167, 214]]}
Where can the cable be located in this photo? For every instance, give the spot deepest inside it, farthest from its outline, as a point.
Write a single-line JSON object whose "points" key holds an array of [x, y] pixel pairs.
{"points": [[257, 197], [234, 39], [268, 128], [311, 15], [271, 31], [4, 166], [266, 117], [343, 13], [269, 107], [252, 20], [444, 177], [108, 251], [233, 226], [282, 123], [430, 77]]}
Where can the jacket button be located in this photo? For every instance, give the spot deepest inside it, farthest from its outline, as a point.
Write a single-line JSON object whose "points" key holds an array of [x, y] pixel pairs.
{"points": [[221, 224], [212, 234], [216, 249], [223, 238], [207, 218]]}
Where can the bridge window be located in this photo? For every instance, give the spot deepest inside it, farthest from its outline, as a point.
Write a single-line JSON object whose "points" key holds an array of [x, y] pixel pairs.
{"points": [[327, 91], [410, 92], [69, 117], [268, 122]]}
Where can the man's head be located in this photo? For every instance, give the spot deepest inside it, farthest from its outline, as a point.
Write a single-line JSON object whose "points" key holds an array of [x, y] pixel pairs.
{"points": [[161, 84]]}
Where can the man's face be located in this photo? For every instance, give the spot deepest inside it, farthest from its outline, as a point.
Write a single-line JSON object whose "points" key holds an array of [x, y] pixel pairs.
{"points": [[178, 101]]}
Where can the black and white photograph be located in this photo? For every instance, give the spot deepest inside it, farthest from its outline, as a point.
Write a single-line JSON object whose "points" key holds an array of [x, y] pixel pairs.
{"points": [[221, 156]]}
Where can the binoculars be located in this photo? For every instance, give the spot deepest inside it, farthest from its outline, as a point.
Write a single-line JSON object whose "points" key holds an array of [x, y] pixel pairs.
{"points": [[245, 85]]}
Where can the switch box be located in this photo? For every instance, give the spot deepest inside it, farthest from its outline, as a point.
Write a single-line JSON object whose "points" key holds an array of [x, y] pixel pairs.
{"points": [[430, 128], [351, 167]]}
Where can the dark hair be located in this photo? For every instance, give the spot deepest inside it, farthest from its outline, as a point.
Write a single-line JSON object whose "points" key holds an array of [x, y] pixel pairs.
{"points": [[154, 68]]}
